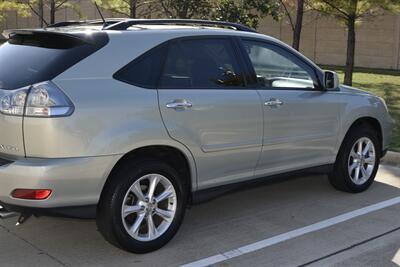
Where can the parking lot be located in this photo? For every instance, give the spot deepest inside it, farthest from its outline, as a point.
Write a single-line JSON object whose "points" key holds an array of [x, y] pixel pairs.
{"points": [[293, 222]]}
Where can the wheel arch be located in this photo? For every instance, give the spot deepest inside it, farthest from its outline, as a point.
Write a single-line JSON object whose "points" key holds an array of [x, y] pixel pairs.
{"points": [[182, 161], [367, 121]]}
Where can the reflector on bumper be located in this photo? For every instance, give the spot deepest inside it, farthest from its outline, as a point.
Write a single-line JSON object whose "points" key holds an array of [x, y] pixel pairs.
{"points": [[31, 194]]}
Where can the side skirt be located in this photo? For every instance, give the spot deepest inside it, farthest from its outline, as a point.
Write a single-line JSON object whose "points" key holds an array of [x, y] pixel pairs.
{"points": [[214, 192]]}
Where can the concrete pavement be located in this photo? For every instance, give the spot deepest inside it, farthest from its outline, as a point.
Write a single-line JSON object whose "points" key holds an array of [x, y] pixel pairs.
{"points": [[231, 221]]}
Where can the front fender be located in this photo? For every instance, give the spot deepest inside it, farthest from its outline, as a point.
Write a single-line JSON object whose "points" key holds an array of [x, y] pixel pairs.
{"points": [[359, 106]]}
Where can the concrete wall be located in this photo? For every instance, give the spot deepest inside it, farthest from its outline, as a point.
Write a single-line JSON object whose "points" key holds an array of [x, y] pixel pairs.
{"points": [[323, 39]]}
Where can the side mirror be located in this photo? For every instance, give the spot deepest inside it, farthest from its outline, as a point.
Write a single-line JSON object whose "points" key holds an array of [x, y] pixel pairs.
{"points": [[331, 80]]}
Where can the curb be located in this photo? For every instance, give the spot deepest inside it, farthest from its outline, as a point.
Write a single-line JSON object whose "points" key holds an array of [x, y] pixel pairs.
{"points": [[392, 158]]}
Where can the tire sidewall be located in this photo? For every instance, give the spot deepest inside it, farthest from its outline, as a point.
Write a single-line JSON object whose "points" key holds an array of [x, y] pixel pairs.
{"points": [[345, 153], [126, 177]]}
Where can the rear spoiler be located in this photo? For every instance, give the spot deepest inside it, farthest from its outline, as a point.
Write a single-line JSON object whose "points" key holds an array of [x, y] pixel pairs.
{"points": [[7, 33], [76, 38]]}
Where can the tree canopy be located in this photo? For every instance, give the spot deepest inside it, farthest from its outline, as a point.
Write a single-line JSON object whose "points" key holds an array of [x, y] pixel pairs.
{"points": [[360, 10], [246, 12], [21, 8], [186, 9], [130, 8]]}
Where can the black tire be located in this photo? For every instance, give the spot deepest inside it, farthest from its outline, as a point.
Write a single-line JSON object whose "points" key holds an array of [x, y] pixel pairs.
{"points": [[109, 219], [340, 177]]}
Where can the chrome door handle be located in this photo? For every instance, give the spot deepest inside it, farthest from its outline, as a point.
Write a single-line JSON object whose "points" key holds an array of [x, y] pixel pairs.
{"points": [[273, 102], [179, 104]]}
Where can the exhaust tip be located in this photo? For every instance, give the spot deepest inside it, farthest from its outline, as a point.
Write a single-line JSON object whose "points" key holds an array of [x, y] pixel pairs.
{"points": [[5, 214]]}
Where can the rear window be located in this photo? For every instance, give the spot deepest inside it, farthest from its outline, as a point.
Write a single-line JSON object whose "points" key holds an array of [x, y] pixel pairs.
{"points": [[29, 59]]}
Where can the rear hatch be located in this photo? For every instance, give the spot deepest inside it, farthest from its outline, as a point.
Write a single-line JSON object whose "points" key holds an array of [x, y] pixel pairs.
{"points": [[30, 57]]}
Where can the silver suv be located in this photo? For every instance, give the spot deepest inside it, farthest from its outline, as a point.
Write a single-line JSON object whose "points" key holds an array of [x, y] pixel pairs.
{"points": [[132, 121]]}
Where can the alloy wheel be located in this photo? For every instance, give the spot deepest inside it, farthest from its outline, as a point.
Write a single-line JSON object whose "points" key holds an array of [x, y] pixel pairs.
{"points": [[362, 159], [149, 207]]}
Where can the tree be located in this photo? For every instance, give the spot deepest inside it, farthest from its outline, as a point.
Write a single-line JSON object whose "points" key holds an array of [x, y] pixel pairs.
{"points": [[126, 8], [129, 8], [350, 13], [247, 12], [41, 13], [21, 8], [39, 6], [297, 25], [186, 9]]}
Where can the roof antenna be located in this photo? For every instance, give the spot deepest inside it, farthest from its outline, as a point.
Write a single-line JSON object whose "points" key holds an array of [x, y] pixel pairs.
{"points": [[101, 15]]}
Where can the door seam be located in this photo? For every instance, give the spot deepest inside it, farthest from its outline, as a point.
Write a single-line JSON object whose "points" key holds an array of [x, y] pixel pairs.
{"points": [[166, 129]]}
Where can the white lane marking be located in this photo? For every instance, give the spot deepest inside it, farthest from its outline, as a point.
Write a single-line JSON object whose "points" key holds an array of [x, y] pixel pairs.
{"points": [[292, 234], [396, 258]]}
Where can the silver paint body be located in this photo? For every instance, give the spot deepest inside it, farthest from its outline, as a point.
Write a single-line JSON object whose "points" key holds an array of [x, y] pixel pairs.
{"points": [[227, 136]]}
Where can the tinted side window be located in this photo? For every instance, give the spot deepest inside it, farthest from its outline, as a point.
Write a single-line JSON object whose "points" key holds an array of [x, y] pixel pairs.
{"points": [[145, 70], [276, 68], [201, 63]]}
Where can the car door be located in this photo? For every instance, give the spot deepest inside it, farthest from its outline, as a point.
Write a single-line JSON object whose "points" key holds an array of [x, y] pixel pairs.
{"points": [[206, 106], [301, 121]]}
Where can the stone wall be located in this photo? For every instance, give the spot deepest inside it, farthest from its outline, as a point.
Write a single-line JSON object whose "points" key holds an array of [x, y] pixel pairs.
{"points": [[323, 39]]}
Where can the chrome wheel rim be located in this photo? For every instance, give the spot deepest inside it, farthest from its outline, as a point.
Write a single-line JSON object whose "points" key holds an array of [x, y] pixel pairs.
{"points": [[149, 207], [362, 159]]}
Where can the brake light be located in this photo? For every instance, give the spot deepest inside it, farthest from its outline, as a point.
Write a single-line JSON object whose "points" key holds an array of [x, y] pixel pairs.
{"points": [[40, 100], [31, 194]]}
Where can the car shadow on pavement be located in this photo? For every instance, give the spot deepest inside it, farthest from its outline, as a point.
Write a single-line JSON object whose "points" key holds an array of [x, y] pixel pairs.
{"points": [[231, 220]]}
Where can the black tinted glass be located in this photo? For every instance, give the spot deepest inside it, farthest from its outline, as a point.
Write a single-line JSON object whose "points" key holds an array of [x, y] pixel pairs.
{"points": [[208, 63], [28, 60], [145, 70]]}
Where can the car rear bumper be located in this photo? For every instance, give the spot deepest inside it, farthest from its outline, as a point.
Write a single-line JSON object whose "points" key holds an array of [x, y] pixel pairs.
{"points": [[75, 182]]}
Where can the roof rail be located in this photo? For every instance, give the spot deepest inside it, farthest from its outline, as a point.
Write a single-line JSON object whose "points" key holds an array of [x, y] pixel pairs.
{"points": [[86, 22], [125, 24]]}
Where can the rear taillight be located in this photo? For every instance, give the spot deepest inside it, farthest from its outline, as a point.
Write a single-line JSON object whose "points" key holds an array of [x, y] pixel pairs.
{"points": [[31, 194], [14, 102], [40, 100]]}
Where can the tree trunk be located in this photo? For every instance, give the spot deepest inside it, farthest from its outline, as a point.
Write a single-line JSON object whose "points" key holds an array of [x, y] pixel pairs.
{"points": [[52, 11], [183, 10], [182, 14], [351, 47], [133, 8], [299, 25], [351, 43], [41, 13]]}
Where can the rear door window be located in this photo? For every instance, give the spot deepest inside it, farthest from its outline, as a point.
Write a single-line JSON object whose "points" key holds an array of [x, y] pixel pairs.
{"points": [[29, 59], [201, 63]]}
